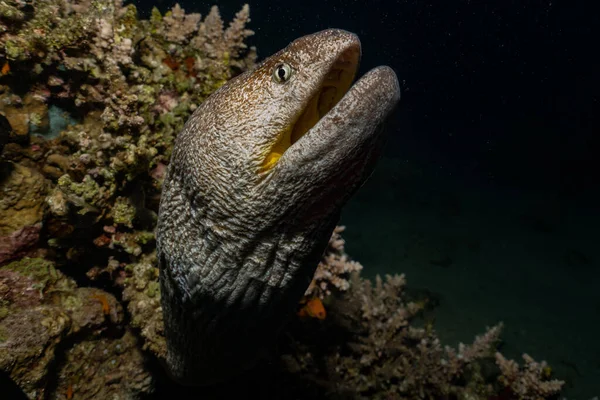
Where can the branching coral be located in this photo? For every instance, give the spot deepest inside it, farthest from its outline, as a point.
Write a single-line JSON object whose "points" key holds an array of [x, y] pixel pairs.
{"points": [[398, 357], [179, 27], [223, 49], [334, 269], [380, 353], [527, 382]]}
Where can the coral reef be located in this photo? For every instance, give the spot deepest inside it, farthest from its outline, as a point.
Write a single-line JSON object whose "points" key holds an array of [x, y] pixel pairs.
{"points": [[87, 130], [117, 89]]}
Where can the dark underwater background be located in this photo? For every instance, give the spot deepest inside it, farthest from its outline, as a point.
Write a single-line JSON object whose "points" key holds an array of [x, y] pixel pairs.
{"points": [[487, 194]]}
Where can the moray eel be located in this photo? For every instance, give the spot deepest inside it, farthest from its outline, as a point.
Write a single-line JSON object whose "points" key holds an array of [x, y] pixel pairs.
{"points": [[253, 191]]}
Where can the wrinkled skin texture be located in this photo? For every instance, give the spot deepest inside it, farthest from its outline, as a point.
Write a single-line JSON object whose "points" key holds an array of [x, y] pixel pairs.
{"points": [[239, 238]]}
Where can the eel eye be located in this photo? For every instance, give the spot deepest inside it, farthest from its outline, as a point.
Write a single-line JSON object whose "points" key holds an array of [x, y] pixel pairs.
{"points": [[282, 73]]}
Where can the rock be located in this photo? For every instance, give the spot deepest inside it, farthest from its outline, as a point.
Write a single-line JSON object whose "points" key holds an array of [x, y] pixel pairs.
{"points": [[43, 314], [107, 368], [28, 116], [5, 131], [22, 206], [19, 121], [19, 242]]}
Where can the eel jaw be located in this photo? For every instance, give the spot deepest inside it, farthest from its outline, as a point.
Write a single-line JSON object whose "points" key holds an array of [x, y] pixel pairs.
{"points": [[332, 88], [340, 147]]}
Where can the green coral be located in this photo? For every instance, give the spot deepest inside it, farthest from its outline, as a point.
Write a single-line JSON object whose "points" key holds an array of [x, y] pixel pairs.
{"points": [[13, 50], [142, 294], [71, 302], [153, 289], [123, 212], [39, 269], [128, 21], [8, 10], [47, 31], [132, 243], [3, 311], [156, 19], [88, 191]]}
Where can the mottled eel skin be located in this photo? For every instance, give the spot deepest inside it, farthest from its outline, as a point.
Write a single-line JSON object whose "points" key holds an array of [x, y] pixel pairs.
{"points": [[254, 189]]}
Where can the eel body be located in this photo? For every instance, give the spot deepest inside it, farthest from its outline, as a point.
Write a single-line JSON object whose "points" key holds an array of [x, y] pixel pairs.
{"points": [[253, 191]]}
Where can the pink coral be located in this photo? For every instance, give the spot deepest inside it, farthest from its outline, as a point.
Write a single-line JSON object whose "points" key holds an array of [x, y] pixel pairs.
{"points": [[529, 382], [179, 26], [219, 44], [373, 348], [334, 269]]}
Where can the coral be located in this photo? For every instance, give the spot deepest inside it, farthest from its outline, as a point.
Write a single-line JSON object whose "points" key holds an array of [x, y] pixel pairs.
{"points": [[105, 368], [100, 98], [123, 212], [393, 355], [378, 352], [334, 269], [223, 49], [26, 115], [126, 86], [142, 293], [179, 27], [41, 311], [529, 382]]}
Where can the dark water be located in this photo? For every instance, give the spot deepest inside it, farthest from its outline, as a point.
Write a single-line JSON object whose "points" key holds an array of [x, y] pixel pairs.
{"points": [[488, 191]]}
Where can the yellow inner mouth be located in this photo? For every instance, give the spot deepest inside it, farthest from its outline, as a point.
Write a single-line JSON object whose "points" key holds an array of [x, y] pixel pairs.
{"points": [[334, 87]]}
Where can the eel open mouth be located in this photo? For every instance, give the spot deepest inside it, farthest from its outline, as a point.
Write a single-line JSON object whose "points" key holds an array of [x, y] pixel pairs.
{"points": [[334, 85]]}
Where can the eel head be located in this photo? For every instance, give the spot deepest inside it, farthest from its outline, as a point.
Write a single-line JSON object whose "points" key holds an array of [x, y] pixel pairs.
{"points": [[254, 189]]}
